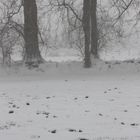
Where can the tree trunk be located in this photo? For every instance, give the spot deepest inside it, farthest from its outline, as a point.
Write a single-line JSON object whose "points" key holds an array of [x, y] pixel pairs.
{"points": [[6, 55], [86, 29], [94, 31], [32, 53]]}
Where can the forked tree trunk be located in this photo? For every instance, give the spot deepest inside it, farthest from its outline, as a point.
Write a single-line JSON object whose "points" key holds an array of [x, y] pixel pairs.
{"points": [[32, 53], [86, 29], [94, 31]]}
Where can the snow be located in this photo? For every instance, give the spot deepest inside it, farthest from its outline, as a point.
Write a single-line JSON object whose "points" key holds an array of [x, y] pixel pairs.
{"points": [[65, 101]]}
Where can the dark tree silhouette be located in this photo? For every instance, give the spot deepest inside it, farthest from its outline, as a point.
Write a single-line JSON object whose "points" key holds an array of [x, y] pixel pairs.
{"points": [[32, 53], [94, 31], [86, 29]]}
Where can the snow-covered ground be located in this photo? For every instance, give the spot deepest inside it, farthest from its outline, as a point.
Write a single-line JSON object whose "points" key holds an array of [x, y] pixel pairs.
{"points": [[67, 102]]}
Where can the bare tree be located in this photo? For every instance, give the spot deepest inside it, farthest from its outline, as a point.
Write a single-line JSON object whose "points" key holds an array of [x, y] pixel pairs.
{"points": [[94, 30], [86, 28], [10, 31], [32, 52]]}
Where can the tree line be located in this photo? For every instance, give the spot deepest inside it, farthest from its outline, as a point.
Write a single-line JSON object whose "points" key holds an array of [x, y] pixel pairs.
{"points": [[86, 23]]}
